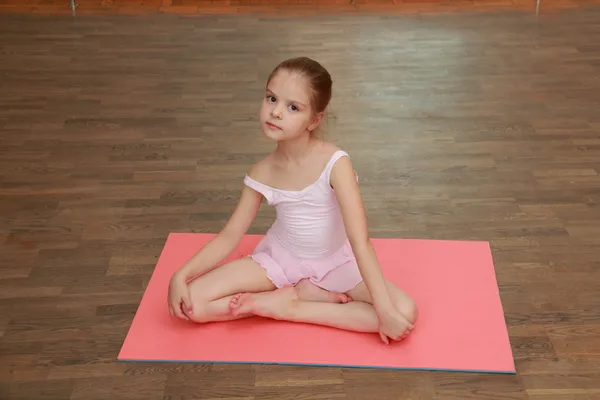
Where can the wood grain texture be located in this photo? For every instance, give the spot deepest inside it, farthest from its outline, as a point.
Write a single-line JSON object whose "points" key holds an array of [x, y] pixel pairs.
{"points": [[117, 130]]}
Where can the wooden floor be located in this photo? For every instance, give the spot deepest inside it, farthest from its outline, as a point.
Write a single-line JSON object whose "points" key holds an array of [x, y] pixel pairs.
{"points": [[116, 130]]}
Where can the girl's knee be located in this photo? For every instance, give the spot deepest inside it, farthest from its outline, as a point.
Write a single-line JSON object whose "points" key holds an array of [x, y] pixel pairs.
{"points": [[200, 313], [404, 303], [199, 309], [409, 309]]}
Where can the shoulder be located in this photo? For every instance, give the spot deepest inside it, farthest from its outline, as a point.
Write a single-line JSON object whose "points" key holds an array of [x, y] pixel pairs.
{"points": [[339, 157], [342, 169], [331, 154], [257, 174], [261, 170], [344, 183]]}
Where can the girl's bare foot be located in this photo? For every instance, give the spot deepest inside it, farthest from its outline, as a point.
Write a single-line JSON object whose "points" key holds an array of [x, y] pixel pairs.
{"points": [[276, 304], [308, 291]]}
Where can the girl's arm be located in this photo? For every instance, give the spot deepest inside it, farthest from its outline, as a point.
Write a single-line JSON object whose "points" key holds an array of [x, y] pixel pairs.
{"points": [[343, 181], [226, 241]]}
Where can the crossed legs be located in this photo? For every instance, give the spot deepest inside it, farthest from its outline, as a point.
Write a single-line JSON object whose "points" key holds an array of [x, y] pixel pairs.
{"points": [[241, 289]]}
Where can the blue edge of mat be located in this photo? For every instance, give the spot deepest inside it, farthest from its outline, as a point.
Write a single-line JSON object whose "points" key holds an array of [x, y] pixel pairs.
{"points": [[320, 365]]}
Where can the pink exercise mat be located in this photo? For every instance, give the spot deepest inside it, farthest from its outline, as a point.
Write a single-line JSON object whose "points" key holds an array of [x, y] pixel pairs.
{"points": [[461, 325]]}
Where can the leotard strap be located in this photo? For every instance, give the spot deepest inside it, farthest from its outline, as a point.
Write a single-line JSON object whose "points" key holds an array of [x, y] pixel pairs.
{"points": [[261, 188]]}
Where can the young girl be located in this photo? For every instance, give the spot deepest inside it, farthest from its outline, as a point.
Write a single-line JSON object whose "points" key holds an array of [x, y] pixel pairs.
{"points": [[316, 263]]}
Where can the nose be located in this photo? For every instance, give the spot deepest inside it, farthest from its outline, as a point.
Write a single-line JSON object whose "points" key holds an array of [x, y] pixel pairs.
{"points": [[276, 111]]}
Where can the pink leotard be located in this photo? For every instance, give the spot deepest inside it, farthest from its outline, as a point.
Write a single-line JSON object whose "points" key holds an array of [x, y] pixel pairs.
{"points": [[308, 238]]}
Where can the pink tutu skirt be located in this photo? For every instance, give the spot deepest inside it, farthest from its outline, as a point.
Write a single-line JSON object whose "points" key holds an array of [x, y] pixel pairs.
{"points": [[337, 273]]}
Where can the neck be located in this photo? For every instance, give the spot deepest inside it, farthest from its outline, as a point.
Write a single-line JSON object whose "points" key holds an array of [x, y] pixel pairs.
{"points": [[295, 149]]}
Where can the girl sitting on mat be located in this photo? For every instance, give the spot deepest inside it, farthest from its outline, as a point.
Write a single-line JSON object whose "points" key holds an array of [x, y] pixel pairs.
{"points": [[316, 263]]}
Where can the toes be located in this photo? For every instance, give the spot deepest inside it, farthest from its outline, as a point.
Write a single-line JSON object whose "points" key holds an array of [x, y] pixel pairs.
{"points": [[235, 301], [336, 297], [240, 304]]}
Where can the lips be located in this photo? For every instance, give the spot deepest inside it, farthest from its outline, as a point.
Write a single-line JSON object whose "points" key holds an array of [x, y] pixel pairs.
{"points": [[273, 126]]}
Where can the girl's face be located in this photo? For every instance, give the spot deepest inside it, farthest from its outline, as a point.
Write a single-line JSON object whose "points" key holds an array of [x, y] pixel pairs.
{"points": [[286, 111]]}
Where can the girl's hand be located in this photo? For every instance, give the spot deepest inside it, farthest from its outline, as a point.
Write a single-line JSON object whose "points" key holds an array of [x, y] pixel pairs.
{"points": [[392, 324], [179, 297]]}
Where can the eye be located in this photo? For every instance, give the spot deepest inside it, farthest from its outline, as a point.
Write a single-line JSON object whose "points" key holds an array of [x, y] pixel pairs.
{"points": [[293, 108], [271, 98]]}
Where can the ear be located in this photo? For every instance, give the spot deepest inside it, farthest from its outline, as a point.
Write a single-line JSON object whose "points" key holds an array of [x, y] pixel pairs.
{"points": [[316, 121]]}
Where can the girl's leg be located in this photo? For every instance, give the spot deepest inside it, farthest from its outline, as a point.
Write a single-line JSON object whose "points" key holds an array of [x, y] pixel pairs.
{"points": [[403, 302], [212, 292], [285, 304], [306, 290], [357, 315]]}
